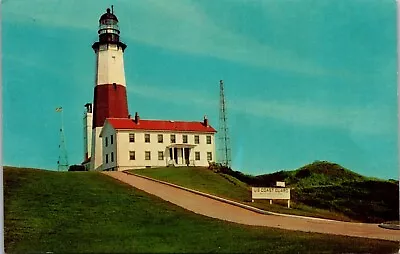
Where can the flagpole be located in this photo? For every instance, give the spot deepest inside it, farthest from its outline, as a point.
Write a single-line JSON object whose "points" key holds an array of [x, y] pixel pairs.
{"points": [[62, 119], [63, 156]]}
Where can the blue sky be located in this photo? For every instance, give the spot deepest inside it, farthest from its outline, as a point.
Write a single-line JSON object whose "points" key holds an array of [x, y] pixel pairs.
{"points": [[305, 80]]}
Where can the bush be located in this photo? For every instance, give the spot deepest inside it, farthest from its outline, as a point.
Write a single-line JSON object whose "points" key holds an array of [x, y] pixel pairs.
{"points": [[219, 168], [77, 168]]}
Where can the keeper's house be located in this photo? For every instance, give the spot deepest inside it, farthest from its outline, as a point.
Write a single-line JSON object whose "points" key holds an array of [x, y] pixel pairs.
{"points": [[135, 143]]}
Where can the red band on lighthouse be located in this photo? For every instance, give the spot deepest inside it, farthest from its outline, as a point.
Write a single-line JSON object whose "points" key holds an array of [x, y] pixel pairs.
{"points": [[110, 101]]}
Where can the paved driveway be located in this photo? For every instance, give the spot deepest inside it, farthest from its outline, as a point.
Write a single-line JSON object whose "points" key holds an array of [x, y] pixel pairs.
{"points": [[223, 211]]}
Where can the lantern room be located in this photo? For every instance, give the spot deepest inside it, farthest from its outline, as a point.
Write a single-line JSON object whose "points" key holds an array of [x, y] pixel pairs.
{"points": [[108, 27]]}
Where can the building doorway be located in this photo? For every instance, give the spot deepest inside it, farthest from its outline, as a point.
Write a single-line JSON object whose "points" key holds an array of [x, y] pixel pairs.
{"points": [[176, 155], [187, 156]]}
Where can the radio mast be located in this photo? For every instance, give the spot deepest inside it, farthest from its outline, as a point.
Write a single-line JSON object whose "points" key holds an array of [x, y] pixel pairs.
{"points": [[224, 148]]}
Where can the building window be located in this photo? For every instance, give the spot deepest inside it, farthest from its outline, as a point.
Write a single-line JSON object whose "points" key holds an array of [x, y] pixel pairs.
{"points": [[106, 158], [147, 156], [132, 155], [184, 138], [173, 138], [160, 155], [106, 141], [209, 156], [131, 137], [208, 139], [197, 156], [160, 138], [147, 138], [112, 156], [196, 139], [111, 139]]}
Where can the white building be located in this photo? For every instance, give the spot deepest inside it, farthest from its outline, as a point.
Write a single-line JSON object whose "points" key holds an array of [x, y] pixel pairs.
{"points": [[136, 143]]}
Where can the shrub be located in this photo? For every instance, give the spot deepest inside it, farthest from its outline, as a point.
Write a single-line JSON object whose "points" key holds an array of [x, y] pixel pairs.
{"points": [[77, 168]]}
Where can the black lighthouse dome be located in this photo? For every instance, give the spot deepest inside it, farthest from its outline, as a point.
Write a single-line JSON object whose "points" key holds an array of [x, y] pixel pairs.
{"points": [[108, 15], [108, 27]]}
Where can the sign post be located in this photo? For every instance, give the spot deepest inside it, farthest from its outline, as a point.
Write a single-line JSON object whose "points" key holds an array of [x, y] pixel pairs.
{"points": [[271, 194]]}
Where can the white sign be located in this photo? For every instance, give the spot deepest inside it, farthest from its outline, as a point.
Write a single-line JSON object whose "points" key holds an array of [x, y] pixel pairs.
{"points": [[280, 184], [270, 193]]}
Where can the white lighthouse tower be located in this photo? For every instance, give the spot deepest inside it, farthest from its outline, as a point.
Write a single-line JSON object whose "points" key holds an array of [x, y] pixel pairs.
{"points": [[110, 99]]}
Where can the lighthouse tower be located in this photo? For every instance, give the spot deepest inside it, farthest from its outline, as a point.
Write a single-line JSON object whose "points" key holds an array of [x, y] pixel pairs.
{"points": [[110, 100]]}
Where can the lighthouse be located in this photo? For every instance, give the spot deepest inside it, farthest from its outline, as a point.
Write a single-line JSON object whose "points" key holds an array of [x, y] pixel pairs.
{"points": [[110, 99], [114, 141]]}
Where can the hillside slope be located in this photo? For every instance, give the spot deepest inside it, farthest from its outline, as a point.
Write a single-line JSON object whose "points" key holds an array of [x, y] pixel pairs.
{"points": [[87, 212], [227, 186], [329, 186], [201, 179]]}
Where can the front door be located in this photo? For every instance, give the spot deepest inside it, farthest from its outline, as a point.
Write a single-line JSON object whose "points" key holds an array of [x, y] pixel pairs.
{"points": [[176, 155], [187, 156]]}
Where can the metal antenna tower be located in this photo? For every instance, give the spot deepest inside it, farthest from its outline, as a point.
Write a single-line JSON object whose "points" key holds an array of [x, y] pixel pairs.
{"points": [[225, 150], [62, 163]]}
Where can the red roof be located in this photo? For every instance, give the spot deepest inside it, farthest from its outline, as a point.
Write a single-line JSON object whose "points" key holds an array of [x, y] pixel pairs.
{"points": [[158, 125]]}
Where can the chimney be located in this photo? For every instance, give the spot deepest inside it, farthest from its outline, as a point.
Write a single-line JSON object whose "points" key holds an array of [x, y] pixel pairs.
{"points": [[88, 107], [205, 121], [129, 116], [137, 118]]}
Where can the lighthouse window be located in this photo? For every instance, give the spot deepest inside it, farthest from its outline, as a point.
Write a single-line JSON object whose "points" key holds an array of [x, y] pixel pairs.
{"points": [[106, 141], [106, 158], [111, 139], [147, 138], [197, 156], [112, 156]]}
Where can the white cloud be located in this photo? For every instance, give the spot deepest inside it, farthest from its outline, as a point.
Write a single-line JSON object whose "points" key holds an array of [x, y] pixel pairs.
{"points": [[184, 26], [366, 120], [185, 97], [175, 25]]}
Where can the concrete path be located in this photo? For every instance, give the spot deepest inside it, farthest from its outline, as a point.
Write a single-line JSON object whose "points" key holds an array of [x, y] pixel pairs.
{"points": [[224, 211]]}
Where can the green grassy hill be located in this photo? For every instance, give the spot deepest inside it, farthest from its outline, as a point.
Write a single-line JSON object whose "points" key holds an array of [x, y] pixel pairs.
{"points": [[321, 189], [88, 212], [79, 212], [329, 186], [319, 173]]}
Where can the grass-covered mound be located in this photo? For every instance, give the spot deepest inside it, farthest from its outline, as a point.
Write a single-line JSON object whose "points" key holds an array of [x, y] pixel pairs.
{"points": [[319, 173], [331, 187], [87, 212]]}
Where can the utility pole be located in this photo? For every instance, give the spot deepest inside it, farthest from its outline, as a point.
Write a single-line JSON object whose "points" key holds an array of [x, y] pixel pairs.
{"points": [[224, 147], [62, 163]]}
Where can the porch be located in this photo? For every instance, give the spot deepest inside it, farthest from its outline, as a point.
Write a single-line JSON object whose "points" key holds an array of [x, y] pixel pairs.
{"points": [[180, 155]]}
